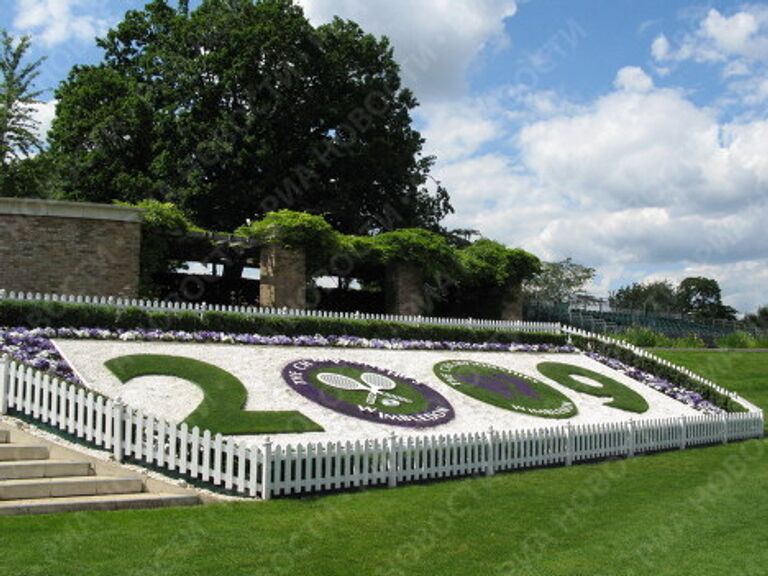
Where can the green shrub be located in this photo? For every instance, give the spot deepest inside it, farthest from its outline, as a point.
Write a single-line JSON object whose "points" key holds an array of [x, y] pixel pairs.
{"points": [[296, 230], [737, 340], [57, 315], [645, 338], [691, 341]]}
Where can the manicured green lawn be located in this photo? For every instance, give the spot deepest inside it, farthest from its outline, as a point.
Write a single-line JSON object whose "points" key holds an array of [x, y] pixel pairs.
{"points": [[743, 372], [224, 396], [699, 512]]}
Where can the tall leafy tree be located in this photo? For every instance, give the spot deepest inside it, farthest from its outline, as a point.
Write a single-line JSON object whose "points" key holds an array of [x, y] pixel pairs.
{"points": [[649, 297], [702, 297], [18, 126], [237, 108], [559, 282]]}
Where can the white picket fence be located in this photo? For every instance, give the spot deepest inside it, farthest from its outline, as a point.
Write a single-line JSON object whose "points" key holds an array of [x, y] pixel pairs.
{"points": [[168, 306], [274, 470]]}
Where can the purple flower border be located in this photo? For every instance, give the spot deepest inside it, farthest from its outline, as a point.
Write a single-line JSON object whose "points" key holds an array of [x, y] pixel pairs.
{"points": [[688, 397], [436, 402], [34, 346]]}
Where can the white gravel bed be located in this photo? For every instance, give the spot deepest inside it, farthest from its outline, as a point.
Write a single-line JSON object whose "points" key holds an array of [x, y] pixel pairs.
{"points": [[259, 368]]}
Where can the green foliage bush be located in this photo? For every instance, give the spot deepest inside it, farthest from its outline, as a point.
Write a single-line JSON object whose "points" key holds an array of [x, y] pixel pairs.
{"points": [[58, 315], [489, 263], [295, 230], [427, 250], [737, 340], [647, 338]]}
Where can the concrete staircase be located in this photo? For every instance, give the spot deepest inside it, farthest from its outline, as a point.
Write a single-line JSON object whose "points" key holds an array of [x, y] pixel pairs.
{"points": [[31, 482]]}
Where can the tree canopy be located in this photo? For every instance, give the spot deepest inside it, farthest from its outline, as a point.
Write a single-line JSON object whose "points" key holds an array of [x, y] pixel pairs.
{"points": [[696, 296], [23, 172], [558, 282], [702, 297], [18, 127], [239, 108], [650, 297]]}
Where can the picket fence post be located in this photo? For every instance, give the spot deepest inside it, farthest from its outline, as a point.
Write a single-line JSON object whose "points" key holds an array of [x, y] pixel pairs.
{"points": [[266, 471], [117, 431], [631, 438], [683, 430], [392, 480], [490, 464], [5, 379], [569, 444], [724, 418]]}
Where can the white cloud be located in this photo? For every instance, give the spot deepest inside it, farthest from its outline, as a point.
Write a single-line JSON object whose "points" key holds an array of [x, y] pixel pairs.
{"points": [[44, 114], [633, 79], [720, 38], [434, 41], [737, 34], [640, 179], [54, 22], [660, 48]]}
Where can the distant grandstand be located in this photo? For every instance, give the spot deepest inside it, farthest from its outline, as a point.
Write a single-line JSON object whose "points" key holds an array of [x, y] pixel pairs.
{"points": [[597, 317]]}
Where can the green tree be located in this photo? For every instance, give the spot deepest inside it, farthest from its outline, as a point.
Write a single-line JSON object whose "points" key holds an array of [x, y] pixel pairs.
{"points": [[759, 319], [19, 140], [650, 297], [702, 297], [558, 282], [238, 108]]}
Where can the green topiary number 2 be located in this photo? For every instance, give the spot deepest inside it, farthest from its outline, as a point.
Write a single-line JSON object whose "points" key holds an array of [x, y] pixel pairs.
{"points": [[224, 396], [623, 398]]}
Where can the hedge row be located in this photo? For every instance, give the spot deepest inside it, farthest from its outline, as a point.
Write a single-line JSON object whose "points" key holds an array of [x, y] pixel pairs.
{"points": [[657, 369], [58, 315]]}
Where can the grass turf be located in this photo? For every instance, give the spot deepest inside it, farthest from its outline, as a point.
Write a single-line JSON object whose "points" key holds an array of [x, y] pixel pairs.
{"points": [[694, 513], [224, 396], [743, 372]]}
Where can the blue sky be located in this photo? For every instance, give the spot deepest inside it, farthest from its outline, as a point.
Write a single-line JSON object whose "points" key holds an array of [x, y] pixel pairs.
{"points": [[630, 135]]}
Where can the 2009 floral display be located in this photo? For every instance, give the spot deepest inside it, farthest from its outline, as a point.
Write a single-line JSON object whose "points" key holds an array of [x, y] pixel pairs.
{"points": [[35, 348]]}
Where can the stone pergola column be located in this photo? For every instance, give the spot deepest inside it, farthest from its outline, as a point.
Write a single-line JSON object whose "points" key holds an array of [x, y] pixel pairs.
{"points": [[512, 301], [405, 290], [283, 277]]}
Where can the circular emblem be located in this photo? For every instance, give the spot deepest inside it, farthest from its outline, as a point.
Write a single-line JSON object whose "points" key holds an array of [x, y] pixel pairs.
{"points": [[505, 388], [368, 393]]}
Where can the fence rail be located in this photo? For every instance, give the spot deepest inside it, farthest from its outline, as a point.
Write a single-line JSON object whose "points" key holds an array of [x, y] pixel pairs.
{"points": [[274, 470], [200, 307]]}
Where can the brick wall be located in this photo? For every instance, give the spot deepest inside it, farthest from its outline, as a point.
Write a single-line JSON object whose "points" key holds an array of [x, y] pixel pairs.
{"points": [[69, 248], [283, 280], [405, 290]]}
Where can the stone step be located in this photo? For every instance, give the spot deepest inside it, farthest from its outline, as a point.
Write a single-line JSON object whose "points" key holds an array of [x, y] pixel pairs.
{"points": [[26, 489], [16, 470], [5, 436], [110, 502], [11, 452]]}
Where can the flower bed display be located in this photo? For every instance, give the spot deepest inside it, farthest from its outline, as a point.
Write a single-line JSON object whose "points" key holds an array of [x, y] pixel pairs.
{"points": [[34, 347]]}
